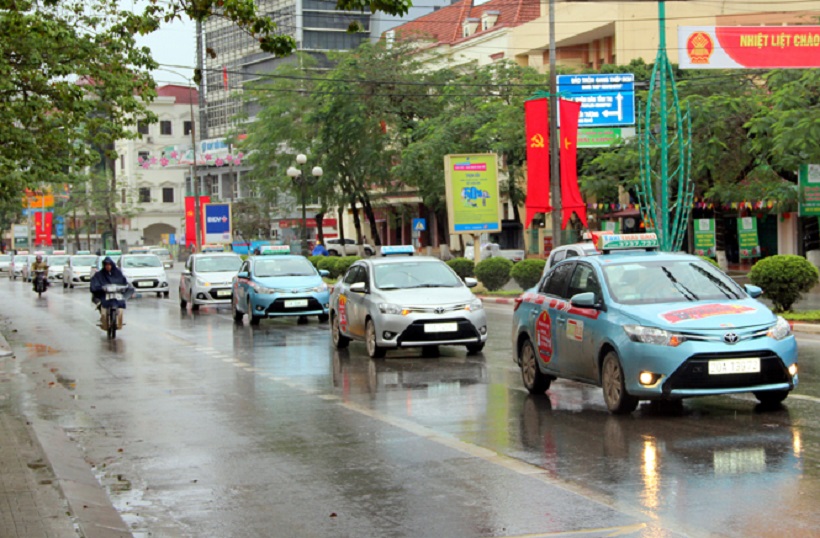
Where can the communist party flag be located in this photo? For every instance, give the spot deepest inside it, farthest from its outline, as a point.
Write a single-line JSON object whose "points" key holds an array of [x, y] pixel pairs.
{"points": [[536, 122], [571, 200]]}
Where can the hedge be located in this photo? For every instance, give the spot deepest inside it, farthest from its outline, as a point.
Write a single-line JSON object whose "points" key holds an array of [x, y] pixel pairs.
{"points": [[463, 267], [494, 272], [784, 278], [527, 273]]}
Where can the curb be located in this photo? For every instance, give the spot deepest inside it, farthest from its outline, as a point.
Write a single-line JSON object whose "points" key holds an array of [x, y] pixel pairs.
{"points": [[497, 300]]}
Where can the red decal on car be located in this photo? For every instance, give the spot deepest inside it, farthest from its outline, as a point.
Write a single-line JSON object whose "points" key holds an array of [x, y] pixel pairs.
{"points": [[543, 334], [705, 311]]}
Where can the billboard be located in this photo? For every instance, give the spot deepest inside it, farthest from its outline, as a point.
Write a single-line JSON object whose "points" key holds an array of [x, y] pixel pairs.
{"points": [[216, 220], [748, 47], [471, 183], [809, 190]]}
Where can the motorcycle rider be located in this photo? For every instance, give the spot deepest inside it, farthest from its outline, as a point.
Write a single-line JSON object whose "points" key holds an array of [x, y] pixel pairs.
{"points": [[109, 274], [39, 265]]}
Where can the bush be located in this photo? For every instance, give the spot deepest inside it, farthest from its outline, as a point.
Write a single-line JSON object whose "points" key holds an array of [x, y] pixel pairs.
{"points": [[343, 264], [710, 260], [328, 263], [493, 272], [783, 278], [315, 260], [527, 273], [462, 266]]}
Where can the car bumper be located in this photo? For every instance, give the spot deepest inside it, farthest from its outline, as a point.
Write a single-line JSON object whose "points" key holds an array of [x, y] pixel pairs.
{"points": [[414, 330], [212, 295], [684, 371], [149, 284], [81, 278], [281, 304]]}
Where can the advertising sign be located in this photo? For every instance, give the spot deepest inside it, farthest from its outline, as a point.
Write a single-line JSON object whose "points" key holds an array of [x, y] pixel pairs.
{"points": [[747, 237], [606, 99], [748, 47], [471, 183], [809, 186], [705, 238], [216, 220]]}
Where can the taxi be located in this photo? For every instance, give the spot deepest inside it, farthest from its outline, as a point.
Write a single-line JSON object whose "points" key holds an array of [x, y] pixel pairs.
{"points": [[56, 261], [145, 272], [78, 269], [16, 264], [207, 279], [276, 283], [395, 301], [649, 325]]}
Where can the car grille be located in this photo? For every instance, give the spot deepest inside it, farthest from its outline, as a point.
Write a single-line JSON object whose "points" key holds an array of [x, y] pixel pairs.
{"points": [[213, 293], [694, 373], [415, 331], [278, 306]]}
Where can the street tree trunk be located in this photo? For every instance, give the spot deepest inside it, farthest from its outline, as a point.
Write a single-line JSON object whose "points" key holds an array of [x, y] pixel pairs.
{"points": [[320, 217], [357, 223], [374, 230], [342, 224]]}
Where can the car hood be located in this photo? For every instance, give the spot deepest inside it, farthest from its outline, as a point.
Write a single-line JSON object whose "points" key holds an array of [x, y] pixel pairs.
{"points": [[289, 282], [702, 315], [427, 296], [220, 276], [140, 272]]}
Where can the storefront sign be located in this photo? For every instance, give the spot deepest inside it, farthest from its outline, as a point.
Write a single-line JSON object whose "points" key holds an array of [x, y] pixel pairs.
{"points": [[749, 47], [705, 238], [613, 226], [809, 190], [747, 237], [471, 183]]}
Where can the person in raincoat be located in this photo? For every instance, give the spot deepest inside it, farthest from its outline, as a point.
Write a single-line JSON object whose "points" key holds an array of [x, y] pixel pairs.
{"points": [[109, 274]]}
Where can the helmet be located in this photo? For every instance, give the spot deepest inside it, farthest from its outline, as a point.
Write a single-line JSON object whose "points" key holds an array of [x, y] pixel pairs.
{"points": [[39, 258]]}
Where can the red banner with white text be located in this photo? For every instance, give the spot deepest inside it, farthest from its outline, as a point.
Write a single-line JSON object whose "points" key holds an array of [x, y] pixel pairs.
{"points": [[571, 200], [749, 47], [536, 120]]}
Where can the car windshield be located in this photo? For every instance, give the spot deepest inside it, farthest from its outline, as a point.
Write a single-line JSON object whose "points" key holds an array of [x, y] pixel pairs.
{"points": [[415, 274], [161, 252], [133, 262], [283, 267], [216, 264], [669, 281], [4, 258], [83, 261], [57, 260]]}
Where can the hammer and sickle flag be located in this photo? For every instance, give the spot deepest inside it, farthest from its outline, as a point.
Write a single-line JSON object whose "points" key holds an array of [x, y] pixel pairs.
{"points": [[538, 158], [571, 200]]}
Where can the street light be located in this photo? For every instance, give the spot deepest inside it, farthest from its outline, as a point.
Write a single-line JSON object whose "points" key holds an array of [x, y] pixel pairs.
{"points": [[299, 178]]}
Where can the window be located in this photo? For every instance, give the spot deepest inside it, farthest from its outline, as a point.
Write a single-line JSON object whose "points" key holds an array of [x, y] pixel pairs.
{"points": [[556, 282], [187, 127], [165, 127], [142, 127], [583, 280], [352, 275], [167, 195], [144, 195]]}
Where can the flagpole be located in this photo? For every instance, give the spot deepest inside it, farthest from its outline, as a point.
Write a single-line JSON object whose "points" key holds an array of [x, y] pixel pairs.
{"points": [[555, 176]]}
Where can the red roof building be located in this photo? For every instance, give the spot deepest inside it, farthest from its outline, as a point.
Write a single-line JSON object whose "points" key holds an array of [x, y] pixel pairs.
{"points": [[183, 95]]}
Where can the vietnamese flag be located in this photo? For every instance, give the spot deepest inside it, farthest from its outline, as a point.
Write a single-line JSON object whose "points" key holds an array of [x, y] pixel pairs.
{"points": [[190, 221], [536, 121], [42, 228], [571, 200]]}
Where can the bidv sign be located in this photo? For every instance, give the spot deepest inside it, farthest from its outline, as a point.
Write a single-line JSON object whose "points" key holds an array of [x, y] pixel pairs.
{"points": [[217, 219]]}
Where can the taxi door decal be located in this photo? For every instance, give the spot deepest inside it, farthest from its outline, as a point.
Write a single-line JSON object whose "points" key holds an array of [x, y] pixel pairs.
{"points": [[543, 335], [343, 313], [575, 330]]}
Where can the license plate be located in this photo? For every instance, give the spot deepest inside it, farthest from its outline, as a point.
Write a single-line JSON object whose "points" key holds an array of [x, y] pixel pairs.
{"points": [[734, 366], [223, 293], [440, 327], [113, 296], [85, 278], [296, 303], [144, 284]]}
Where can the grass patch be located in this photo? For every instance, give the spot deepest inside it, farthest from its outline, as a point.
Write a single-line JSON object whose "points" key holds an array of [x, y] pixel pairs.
{"points": [[479, 290], [808, 316]]}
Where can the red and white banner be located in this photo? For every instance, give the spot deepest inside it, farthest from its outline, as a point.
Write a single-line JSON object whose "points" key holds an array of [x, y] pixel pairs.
{"points": [[537, 131], [571, 200], [42, 228], [190, 222], [749, 47]]}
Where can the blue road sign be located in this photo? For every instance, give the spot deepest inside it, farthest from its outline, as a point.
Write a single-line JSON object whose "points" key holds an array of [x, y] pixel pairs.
{"points": [[606, 100], [59, 226], [419, 225]]}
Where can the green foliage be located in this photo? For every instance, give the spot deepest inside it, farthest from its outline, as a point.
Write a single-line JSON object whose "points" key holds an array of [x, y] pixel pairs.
{"points": [[527, 273], [784, 278], [315, 260], [328, 263], [710, 260], [343, 264], [462, 266], [494, 272]]}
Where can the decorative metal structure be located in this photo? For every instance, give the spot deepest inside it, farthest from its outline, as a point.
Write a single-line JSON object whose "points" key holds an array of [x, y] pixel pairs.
{"points": [[666, 190]]}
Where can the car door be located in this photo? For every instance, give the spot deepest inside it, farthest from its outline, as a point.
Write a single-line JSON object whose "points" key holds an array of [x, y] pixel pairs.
{"points": [[581, 329], [240, 289], [186, 279], [543, 321], [357, 302]]}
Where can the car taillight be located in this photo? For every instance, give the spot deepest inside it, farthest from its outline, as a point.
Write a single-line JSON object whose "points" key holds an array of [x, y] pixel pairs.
{"points": [[518, 301]]}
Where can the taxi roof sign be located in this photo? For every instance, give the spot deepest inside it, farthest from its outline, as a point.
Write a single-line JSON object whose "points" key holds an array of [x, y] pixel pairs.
{"points": [[58, 253], [213, 248], [397, 249], [113, 253], [82, 252], [273, 250], [609, 242]]}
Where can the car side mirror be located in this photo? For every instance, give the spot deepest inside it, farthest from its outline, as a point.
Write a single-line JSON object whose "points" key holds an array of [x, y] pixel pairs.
{"points": [[358, 287], [470, 282], [242, 274], [753, 291], [583, 300], [324, 272]]}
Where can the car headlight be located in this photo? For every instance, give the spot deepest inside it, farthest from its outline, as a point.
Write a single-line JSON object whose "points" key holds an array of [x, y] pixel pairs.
{"points": [[780, 330], [387, 308], [203, 283], [262, 289], [653, 335], [322, 287], [475, 306]]}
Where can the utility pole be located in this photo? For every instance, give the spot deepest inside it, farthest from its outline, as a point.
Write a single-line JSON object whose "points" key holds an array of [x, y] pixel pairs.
{"points": [[202, 135], [555, 175]]}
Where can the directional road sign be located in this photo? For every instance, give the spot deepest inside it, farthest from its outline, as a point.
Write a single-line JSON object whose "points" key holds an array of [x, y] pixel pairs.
{"points": [[606, 100], [419, 225]]}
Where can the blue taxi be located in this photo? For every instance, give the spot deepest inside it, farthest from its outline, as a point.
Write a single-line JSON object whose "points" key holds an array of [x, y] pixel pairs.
{"points": [[276, 283], [648, 325]]}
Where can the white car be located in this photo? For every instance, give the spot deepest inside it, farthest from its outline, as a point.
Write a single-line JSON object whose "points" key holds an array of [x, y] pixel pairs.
{"points": [[351, 248], [78, 270], [208, 279], [16, 265], [165, 255], [5, 263], [145, 272], [492, 250], [56, 265]]}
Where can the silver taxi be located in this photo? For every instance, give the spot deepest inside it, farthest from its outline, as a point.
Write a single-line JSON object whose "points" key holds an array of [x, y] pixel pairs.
{"points": [[78, 270], [207, 279], [398, 301]]}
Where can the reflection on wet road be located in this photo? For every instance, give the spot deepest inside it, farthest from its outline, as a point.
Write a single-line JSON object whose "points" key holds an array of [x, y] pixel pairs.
{"points": [[201, 427]]}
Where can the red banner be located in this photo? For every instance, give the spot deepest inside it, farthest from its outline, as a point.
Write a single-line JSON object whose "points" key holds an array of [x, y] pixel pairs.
{"points": [[310, 223], [571, 200], [749, 47], [536, 119], [190, 222], [42, 228]]}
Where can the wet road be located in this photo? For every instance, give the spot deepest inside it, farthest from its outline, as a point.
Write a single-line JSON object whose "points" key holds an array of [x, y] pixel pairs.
{"points": [[200, 427]]}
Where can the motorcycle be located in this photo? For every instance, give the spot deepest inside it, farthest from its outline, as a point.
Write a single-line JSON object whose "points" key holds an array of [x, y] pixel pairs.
{"points": [[114, 293], [40, 282]]}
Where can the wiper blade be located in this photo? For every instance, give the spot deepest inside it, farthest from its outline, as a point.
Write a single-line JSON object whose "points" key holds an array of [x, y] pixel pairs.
{"points": [[431, 286], [726, 290], [680, 287]]}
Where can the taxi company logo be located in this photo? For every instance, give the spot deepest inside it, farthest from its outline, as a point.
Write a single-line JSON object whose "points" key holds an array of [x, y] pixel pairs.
{"points": [[730, 338], [699, 47], [217, 219]]}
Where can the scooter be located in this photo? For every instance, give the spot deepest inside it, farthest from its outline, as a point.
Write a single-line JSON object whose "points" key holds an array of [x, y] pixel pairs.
{"points": [[40, 282], [114, 293]]}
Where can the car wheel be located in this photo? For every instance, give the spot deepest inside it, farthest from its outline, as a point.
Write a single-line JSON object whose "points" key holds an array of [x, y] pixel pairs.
{"points": [[473, 349], [340, 341], [237, 315], [323, 318], [183, 304], [429, 351], [771, 397], [194, 307], [166, 294], [71, 286], [617, 399], [373, 349], [159, 294], [368, 252], [65, 285], [335, 253], [534, 379], [303, 320], [254, 319]]}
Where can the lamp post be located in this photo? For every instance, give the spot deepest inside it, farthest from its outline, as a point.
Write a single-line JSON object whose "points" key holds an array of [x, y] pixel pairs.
{"points": [[298, 177]]}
